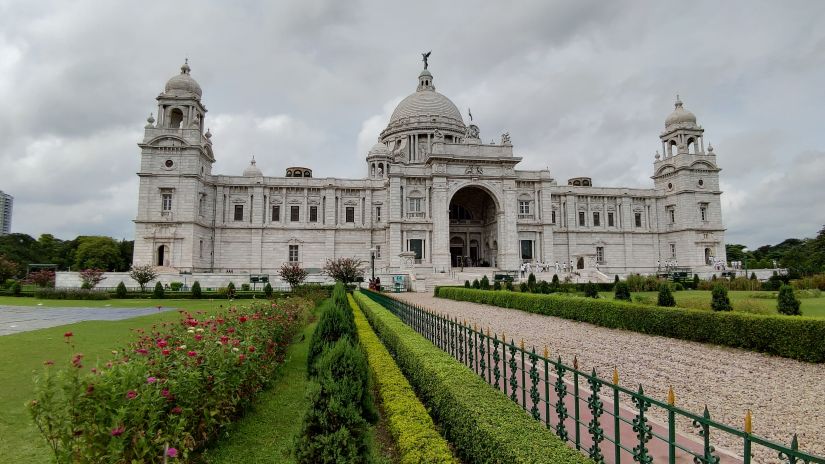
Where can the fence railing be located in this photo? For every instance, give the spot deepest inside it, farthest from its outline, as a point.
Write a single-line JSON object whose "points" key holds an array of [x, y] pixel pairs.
{"points": [[593, 414]]}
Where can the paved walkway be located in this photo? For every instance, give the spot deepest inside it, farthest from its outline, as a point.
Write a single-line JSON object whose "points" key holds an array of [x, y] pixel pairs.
{"points": [[785, 395], [15, 319]]}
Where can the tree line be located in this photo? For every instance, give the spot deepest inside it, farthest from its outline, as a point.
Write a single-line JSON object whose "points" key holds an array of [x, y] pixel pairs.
{"points": [[83, 252], [800, 256]]}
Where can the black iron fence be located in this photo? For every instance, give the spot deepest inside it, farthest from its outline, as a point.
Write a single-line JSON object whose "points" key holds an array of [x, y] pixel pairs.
{"points": [[593, 414]]}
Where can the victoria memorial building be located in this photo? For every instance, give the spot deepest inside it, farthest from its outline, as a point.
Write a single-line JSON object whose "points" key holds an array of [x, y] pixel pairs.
{"points": [[434, 197]]}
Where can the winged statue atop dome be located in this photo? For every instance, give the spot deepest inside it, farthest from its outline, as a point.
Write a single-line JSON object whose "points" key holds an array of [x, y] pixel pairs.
{"points": [[426, 55]]}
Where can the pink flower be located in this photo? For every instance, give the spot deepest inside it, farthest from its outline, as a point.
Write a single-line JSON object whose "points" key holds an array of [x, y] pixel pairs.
{"points": [[164, 393], [117, 431], [172, 453], [151, 380], [191, 354], [198, 337], [162, 343], [176, 410], [131, 394], [166, 352]]}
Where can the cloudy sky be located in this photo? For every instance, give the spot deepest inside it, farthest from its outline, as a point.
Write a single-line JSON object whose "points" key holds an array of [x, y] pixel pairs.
{"points": [[582, 86]]}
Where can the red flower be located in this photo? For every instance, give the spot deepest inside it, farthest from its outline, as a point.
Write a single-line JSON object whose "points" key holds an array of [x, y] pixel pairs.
{"points": [[162, 343], [166, 352], [117, 431], [76, 360], [251, 349], [176, 410], [224, 339], [131, 394], [191, 354], [68, 335], [198, 337], [242, 319]]}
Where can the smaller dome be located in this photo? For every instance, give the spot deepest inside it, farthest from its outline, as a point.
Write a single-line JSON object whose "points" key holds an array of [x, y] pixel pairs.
{"points": [[379, 149], [183, 85], [680, 115], [252, 170]]}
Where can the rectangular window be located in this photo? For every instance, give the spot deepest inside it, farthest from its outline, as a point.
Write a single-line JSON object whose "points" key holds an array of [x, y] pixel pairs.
{"points": [[294, 213], [600, 255], [581, 219], [377, 251], [200, 248], [377, 214], [166, 202], [671, 214], [638, 217], [610, 219], [527, 250], [703, 212], [293, 253], [596, 220], [672, 250], [416, 245], [239, 212], [276, 213], [313, 214], [415, 205], [350, 214], [523, 207], [553, 217], [200, 205]]}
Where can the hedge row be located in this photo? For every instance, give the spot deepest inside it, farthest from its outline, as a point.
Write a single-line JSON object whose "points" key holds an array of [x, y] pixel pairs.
{"points": [[481, 422], [412, 428], [796, 337]]}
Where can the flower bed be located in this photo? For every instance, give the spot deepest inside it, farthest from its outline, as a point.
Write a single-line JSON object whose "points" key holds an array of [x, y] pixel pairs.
{"points": [[481, 422], [168, 393], [412, 428], [801, 338]]}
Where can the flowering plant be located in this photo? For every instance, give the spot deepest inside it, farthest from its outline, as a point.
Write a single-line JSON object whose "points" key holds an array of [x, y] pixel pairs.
{"points": [[170, 391]]}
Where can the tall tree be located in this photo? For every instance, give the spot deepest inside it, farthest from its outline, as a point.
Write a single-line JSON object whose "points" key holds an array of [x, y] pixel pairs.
{"points": [[98, 253]]}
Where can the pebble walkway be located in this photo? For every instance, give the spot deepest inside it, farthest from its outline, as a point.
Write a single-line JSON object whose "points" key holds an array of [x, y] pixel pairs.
{"points": [[15, 319], [785, 396]]}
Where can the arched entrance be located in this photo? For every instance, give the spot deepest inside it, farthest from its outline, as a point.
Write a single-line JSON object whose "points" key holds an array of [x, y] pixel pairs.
{"points": [[163, 252], [473, 222], [580, 263]]}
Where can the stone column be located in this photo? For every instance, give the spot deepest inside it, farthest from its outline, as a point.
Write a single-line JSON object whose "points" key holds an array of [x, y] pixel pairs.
{"points": [[441, 225], [508, 233]]}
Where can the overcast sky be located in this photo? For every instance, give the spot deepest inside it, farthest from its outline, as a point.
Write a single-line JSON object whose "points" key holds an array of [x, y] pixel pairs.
{"points": [[581, 86]]}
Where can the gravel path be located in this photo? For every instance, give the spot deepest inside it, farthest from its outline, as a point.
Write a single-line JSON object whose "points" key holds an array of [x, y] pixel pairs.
{"points": [[16, 319], [785, 396]]}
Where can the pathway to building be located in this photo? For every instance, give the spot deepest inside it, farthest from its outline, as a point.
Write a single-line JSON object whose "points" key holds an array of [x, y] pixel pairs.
{"points": [[785, 396], [15, 319]]}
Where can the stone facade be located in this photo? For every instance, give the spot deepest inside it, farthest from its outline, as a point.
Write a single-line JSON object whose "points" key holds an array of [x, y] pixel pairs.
{"points": [[434, 196]]}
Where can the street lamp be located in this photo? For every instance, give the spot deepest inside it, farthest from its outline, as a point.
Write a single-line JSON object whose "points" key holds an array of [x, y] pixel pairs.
{"points": [[373, 250]]}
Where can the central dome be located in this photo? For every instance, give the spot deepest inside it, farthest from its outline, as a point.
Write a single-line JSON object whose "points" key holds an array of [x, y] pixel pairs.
{"points": [[426, 103]]}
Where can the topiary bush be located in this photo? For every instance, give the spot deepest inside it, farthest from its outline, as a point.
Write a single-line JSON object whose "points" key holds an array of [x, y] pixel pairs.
{"points": [[531, 282], [175, 286], [484, 284], [158, 291], [496, 285], [665, 296], [466, 284], [787, 303], [719, 300], [621, 291], [335, 323], [544, 287], [120, 291], [476, 284], [196, 290], [591, 291], [268, 290], [695, 281], [230, 290], [245, 287]]}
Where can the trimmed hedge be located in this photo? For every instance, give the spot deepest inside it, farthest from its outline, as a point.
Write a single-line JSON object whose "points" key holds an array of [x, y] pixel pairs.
{"points": [[73, 294], [412, 428], [480, 421], [801, 338]]}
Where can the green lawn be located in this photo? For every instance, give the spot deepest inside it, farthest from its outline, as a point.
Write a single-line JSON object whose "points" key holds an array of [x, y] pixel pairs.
{"points": [[24, 353], [187, 303], [746, 301], [265, 433]]}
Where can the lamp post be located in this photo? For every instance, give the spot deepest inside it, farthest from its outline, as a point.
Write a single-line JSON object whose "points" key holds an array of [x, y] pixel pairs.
{"points": [[372, 261]]}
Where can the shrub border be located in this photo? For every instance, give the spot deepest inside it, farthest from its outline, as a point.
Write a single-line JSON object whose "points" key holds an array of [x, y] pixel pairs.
{"points": [[412, 428], [481, 422], [795, 337]]}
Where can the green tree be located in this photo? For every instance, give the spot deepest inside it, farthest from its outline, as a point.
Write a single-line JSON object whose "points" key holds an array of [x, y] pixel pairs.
{"points": [[476, 284], [127, 251], [143, 275], [8, 269], [484, 283], [695, 281], [787, 303], [531, 282], [21, 249], [98, 253], [268, 290], [196, 290], [665, 296], [466, 284], [719, 300], [621, 291], [158, 292], [293, 274], [345, 270], [121, 291], [230, 290]]}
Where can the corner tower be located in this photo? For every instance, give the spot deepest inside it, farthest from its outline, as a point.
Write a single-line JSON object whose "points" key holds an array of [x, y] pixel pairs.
{"points": [[689, 212], [174, 223]]}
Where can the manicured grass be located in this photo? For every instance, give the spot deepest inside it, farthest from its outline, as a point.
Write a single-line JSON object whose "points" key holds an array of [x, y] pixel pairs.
{"points": [[188, 304], [24, 353], [746, 301], [265, 434]]}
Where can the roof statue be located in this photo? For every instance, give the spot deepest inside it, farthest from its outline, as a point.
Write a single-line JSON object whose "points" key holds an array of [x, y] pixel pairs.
{"points": [[426, 55], [470, 113]]}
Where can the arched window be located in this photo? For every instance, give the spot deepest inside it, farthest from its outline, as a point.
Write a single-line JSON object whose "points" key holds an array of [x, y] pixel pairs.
{"points": [[672, 148], [307, 174], [176, 118], [577, 183], [372, 170], [691, 145], [163, 257], [297, 173], [586, 183], [381, 169], [289, 172]]}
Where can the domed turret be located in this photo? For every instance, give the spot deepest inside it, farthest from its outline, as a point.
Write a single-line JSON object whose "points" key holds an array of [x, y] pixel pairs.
{"points": [[252, 170], [183, 85], [680, 116]]}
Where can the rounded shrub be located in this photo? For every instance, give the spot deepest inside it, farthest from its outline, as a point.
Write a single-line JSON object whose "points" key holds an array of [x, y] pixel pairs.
{"points": [[268, 290], [695, 281], [531, 282], [484, 284], [466, 284], [523, 288], [591, 290], [665, 296], [496, 285], [787, 303], [230, 290], [196, 290], [476, 284], [120, 291], [508, 286], [158, 292], [719, 300], [621, 291]]}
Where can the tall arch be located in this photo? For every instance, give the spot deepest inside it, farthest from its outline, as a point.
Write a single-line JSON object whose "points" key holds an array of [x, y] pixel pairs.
{"points": [[473, 219]]}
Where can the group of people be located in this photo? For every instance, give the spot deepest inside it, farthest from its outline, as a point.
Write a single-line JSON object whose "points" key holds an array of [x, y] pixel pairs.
{"points": [[527, 267]]}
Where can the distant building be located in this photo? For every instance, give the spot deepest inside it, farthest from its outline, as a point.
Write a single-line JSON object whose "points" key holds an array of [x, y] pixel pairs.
{"points": [[6, 202]]}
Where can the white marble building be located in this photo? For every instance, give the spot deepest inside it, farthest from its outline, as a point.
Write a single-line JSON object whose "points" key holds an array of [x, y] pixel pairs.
{"points": [[433, 193]]}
